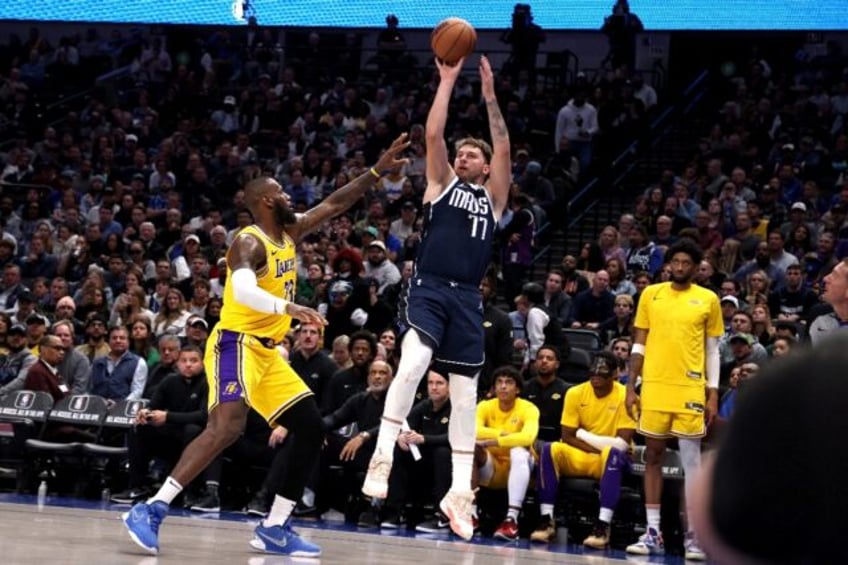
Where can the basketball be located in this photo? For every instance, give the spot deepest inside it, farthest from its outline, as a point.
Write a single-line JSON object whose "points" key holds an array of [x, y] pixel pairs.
{"points": [[453, 39]]}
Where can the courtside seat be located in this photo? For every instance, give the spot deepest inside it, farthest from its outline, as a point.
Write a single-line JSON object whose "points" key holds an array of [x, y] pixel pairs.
{"points": [[584, 339], [121, 416]]}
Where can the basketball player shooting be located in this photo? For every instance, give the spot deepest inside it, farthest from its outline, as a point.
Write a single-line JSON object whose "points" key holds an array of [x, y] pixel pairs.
{"points": [[441, 308]]}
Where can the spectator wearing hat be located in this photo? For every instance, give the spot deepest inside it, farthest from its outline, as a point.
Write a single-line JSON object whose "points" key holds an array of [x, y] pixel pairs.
{"points": [[743, 347], [404, 226], [536, 186], [25, 307], [95, 345], [36, 329], [378, 266], [226, 119], [729, 306], [15, 365], [196, 332], [798, 216]]}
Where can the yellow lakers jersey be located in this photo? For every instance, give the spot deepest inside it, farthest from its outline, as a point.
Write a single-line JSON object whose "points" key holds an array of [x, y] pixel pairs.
{"points": [[678, 323], [278, 277], [521, 425], [601, 416]]}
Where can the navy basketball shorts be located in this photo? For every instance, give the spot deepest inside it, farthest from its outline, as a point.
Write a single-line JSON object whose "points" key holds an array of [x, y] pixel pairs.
{"points": [[448, 317]]}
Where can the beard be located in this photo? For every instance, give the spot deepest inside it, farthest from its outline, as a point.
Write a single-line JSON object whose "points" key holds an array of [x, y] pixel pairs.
{"points": [[283, 215], [682, 279]]}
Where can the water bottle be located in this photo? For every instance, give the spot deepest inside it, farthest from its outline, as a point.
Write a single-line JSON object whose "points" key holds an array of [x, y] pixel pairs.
{"points": [[42, 494], [105, 495]]}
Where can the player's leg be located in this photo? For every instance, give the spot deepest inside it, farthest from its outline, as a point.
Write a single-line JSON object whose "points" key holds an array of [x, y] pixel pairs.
{"points": [[273, 534], [414, 360], [548, 487], [656, 427], [520, 468], [689, 428], [226, 422], [458, 503], [613, 462]]}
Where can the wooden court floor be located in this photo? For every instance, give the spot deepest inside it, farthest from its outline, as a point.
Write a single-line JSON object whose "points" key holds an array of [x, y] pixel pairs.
{"points": [[79, 535]]}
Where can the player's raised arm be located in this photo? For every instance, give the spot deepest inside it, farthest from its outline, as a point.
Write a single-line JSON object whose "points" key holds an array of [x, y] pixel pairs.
{"points": [[500, 169], [439, 171], [345, 197]]}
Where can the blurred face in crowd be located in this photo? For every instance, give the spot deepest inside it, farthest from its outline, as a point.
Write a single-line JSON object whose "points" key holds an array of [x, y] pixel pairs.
{"points": [[119, 341], [360, 353], [189, 364], [437, 387], [379, 376], [308, 338]]}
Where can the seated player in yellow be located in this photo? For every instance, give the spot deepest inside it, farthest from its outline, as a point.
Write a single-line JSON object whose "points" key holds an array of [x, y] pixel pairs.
{"points": [[243, 364], [596, 435], [506, 430]]}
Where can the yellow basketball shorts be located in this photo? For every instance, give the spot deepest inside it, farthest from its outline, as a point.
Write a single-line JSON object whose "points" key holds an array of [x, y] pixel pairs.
{"points": [[570, 461], [241, 367], [661, 425]]}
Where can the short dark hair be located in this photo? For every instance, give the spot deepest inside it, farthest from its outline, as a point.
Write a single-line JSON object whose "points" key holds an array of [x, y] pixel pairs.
{"points": [[191, 349], [687, 246], [509, 372], [552, 348], [363, 335]]}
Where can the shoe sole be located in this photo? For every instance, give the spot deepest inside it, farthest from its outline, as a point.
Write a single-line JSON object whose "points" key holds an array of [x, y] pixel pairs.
{"points": [[643, 552], [256, 513], [597, 546], [258, 545], [694, 556], [136, 540], [456, 525], [540, 539], [199, 509], [504, 537]]}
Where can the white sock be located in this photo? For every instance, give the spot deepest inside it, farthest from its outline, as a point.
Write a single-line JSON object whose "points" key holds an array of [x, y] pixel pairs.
{"points": [[513, 513], [605, 516], [414, 360], [280, 511], [463, 465], [169, 490], [653, 514], [462, 429], [546, 509], [308, 497]]}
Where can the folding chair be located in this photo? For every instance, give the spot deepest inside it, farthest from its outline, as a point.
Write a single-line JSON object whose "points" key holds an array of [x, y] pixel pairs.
{"points": [[583, 339], [23, 415], [78, 417], [110, 446]]}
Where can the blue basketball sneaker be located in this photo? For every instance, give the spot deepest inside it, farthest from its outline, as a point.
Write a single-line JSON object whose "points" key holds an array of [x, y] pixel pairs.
{"points": [[142, 522], [282, 540]]}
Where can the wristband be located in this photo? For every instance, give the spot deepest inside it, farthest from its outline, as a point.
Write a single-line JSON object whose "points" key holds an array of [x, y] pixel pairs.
{"points": [[374, 172], [638, 349]]}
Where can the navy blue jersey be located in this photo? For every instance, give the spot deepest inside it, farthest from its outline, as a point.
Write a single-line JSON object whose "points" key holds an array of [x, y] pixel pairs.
{"points": [[459, 227]]}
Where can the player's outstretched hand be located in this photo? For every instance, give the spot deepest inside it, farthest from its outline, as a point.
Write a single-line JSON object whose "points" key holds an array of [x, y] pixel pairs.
{"points": [[631, 402], [487, 79], [305, 314], [449, 71], [391, 157]]}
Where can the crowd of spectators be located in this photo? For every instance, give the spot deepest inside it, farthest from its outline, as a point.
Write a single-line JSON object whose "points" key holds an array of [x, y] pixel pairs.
{"points": [[116, 219]]}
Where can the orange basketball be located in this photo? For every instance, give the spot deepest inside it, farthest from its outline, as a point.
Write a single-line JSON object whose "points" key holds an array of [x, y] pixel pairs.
{"points": [[453, 39]]}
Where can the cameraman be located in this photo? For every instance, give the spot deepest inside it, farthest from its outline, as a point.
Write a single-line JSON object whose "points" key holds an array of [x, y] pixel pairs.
{"points": [[525, 37], [621, 28]]}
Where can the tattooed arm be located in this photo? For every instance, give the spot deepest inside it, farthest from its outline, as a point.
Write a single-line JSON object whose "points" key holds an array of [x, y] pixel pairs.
{"points": [[500, 170]]}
